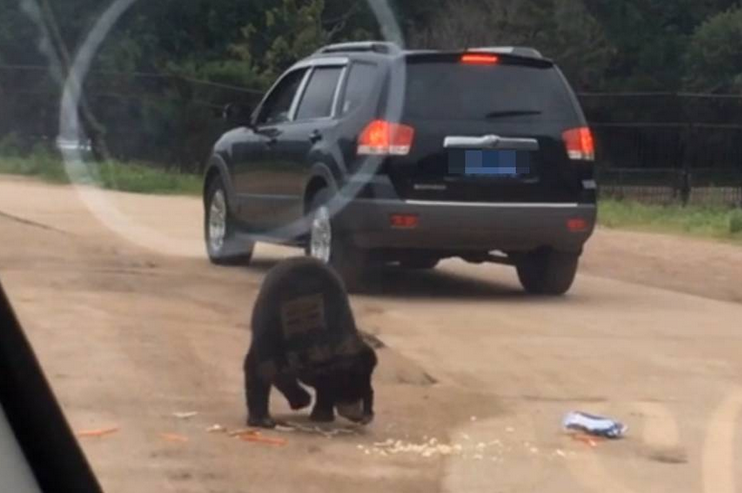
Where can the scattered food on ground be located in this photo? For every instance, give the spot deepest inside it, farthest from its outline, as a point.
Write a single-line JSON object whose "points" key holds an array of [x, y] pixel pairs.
{"points": [[317, 430], [258, 438], [587, 439], [431, 448], [174, 437], [216, 429], [97, 433], [250, 435], [242, 432], [186, 415]]}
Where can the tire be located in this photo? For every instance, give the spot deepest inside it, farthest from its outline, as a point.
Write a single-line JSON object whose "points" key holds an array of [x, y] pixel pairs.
{"points": [[328, 244], [422, 263], [223, 245], [547, 272]]}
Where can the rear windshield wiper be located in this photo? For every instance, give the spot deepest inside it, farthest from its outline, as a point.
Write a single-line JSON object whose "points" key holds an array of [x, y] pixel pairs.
{"points": [[504, 114]]}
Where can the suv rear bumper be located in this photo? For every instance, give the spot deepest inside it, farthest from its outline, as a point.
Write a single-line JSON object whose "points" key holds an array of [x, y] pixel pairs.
{"points": [[461, 226]]}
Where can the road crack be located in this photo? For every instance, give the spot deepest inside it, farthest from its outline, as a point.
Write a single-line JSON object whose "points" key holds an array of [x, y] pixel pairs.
{"points": [[34, 224]]}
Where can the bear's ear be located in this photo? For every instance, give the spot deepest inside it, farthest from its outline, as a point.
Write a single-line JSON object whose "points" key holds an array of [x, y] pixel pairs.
{"points": [[374, 358], [368, 357]]}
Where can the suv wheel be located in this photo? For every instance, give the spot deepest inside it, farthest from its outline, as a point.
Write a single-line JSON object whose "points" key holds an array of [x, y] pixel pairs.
{"points": [[547, 272], [327, 244], [222, 244]]}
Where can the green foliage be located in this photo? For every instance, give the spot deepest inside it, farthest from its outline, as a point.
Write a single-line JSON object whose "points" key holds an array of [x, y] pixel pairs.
{"points": [[40, 163], [715, 222], [562, 30], [114, 175], [294, 30], [735, 222], [12, 145], [239, 47], [714, 60], [144, 87], [143, 178]]}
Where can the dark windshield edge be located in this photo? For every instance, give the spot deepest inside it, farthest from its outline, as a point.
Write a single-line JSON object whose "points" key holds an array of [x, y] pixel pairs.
{"points": [[504, 114], [576, 106]]}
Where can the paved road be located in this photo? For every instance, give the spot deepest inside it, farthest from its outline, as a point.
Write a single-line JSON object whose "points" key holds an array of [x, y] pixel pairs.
{"points": [[133, 329]]}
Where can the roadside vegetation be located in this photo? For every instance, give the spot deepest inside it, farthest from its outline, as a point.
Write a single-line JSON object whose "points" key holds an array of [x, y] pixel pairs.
{"points": [[706, 221], [114, 175]]}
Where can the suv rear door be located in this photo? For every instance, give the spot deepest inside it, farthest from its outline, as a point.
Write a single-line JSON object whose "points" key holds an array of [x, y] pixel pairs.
{"points": [[524, 101]]}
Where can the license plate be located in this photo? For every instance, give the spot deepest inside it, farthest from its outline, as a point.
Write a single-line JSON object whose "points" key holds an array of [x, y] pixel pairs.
{"points": [[491, 163]]}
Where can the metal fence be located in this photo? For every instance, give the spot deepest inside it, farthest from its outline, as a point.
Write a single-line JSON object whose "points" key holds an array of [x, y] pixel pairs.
{"points": [[668, 147]]}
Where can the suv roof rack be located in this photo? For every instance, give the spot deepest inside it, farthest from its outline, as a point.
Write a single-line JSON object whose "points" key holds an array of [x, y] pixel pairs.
{"points": [[361, 46], [523, 51]]}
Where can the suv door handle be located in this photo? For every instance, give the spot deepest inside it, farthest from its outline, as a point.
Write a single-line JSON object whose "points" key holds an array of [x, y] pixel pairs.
{"points": [[271, 135], [315, 137]]}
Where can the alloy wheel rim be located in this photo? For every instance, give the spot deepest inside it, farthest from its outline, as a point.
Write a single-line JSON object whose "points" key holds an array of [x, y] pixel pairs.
{"points": [[217, 221], [321, 235]]}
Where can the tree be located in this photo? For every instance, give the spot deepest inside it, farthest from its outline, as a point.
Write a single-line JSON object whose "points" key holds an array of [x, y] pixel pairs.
{"points": [[292, 30], [714, 59], [168, 66], [563, 30], [650, 39]]}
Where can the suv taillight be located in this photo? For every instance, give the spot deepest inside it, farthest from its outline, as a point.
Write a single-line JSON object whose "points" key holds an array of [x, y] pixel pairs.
{"points": [[383, 138], [580, 144]]}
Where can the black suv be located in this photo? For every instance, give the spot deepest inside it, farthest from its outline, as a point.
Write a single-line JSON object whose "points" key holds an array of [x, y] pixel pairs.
{"points": [[364, 153]]}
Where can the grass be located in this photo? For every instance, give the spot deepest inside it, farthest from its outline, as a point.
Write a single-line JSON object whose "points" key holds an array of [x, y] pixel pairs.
{"points": [[126, 177], [711, 222]]}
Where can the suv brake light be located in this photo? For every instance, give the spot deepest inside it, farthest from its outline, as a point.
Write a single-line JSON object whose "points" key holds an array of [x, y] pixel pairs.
{"points": [[479, 59], [580, 144], [383, 138]]}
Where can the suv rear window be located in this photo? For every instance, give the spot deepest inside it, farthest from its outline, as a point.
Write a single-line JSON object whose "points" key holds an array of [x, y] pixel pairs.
{"points": [[361, 81], [456, 91]]}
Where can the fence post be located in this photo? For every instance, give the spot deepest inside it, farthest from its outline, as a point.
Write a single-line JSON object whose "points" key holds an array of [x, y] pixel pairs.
{"points": [[685, 176]]}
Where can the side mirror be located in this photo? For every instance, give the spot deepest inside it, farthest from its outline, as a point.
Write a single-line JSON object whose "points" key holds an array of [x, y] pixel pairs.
{"points": [[237, 115]]}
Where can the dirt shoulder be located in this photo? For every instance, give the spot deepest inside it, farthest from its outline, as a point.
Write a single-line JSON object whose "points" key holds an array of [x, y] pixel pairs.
{"points": [[707, 268], [685, 264]]}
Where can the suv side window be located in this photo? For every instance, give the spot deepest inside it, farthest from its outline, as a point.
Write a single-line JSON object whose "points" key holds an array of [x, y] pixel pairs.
{"points": [[360, 84], [278, 105], [320, 94]]}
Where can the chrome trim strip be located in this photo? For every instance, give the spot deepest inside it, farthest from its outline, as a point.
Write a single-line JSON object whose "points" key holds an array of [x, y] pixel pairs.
{"points": [[321, 62], [335, 111], [502, 205], [490, 142], [299, 94]]}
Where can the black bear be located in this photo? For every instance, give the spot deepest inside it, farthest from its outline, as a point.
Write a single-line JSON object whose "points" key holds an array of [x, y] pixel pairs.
{"points": [[304, 333]]}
